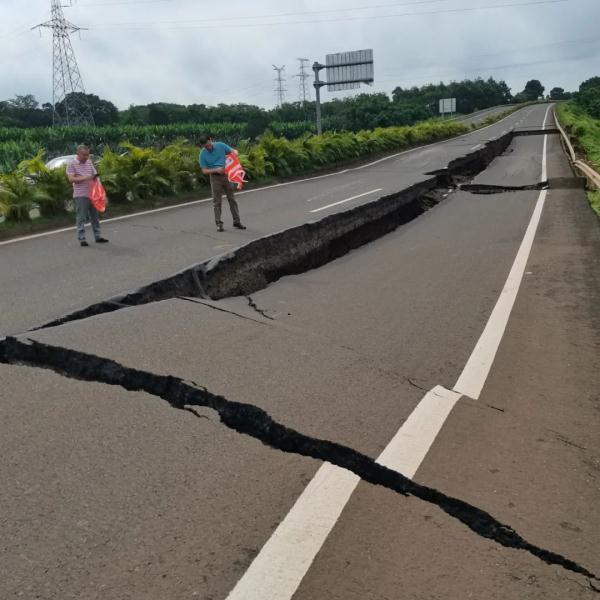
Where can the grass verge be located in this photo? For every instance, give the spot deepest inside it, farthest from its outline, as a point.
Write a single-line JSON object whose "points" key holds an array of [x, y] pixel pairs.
{"points": [[584, 132]]}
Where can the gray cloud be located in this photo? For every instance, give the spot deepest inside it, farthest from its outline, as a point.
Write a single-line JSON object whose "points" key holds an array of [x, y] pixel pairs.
{"points": [[195, 51]]}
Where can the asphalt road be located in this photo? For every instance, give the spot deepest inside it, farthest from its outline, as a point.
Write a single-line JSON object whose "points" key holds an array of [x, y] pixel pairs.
{"points": [[49, 276], [112, 494], [481, 115]]}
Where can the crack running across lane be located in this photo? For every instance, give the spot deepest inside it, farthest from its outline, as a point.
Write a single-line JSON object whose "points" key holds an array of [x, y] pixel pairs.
{"points": [[257, 423]]}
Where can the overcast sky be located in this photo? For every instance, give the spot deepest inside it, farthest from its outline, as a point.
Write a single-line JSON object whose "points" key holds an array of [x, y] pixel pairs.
{"points": [[206, 51]]}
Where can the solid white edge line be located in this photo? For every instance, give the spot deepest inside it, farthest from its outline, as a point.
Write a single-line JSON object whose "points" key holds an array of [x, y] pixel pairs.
{"points": [[121, 218], [410, 445], [473, 377], [267, 187], [546, 116], [272, 575], [36, 235], [544, 160], [346, 200]]}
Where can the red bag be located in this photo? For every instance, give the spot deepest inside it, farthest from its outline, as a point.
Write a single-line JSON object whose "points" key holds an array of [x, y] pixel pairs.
{"points": [[234, 170], [98, 196]]}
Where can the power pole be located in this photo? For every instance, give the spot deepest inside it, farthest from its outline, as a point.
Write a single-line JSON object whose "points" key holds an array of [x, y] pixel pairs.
{"points": [[304, 89], [280, 89], [67, 85]]}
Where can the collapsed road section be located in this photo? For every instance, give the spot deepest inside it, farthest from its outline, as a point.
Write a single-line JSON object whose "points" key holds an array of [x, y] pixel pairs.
{"points": [[255, 265]]}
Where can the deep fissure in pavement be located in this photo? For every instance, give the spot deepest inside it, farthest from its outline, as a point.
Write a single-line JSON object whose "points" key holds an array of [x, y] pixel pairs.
{"points": [[255, 422], [554, 183], [255, 265], [486, 188], [534, 131]]}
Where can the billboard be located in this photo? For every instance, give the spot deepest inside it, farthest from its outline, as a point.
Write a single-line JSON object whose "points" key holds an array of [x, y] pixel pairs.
{"points": [[347, 70], [447, 105]]}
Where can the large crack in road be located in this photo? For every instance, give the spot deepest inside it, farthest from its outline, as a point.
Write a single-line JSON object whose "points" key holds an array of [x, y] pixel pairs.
{"points": [[293, 251], [255, 422]]}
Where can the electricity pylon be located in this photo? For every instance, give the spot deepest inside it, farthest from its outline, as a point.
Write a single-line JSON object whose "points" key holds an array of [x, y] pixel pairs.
{"points": [[69, 104]]}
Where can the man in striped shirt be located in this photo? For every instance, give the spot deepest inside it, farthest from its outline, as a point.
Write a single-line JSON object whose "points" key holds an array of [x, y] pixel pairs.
{"points": [[81, 173]]}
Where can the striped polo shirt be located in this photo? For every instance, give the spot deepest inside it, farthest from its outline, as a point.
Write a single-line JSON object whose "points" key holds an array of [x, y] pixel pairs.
{"points": [[79, 169]]}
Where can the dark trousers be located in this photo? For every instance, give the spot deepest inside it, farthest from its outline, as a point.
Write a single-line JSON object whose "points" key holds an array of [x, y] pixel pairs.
{"points": [[220, 185]]}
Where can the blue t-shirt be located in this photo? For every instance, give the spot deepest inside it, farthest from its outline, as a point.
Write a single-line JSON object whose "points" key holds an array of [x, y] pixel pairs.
{"points": [[215, 158]]}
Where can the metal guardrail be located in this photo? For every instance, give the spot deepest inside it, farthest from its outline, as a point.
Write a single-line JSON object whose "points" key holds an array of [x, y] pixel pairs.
{"points": [[590, 174]]}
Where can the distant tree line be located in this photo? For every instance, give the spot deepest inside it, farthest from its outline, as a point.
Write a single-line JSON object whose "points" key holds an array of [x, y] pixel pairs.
{"points": [[588, 97], [26, 111], [365, 111], [405, 106]]}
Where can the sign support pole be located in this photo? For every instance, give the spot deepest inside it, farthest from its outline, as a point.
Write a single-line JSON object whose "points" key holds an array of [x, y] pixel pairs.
{"points": [[318, 85]]}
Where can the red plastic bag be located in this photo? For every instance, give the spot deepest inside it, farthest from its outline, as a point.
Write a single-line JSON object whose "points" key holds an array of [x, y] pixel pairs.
{"points": [[98, 196], [234, 170]]}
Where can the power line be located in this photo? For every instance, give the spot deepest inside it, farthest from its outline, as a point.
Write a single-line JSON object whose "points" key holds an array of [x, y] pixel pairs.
{"points": [[18, 30], [122, 2], [503, 53], [240, 25], [488, 69], [294, 14]]}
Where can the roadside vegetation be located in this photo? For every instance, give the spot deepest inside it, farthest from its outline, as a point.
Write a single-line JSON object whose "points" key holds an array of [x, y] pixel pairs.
{"points": [[26, 127], [157, 165], [136, 176], [581, 118]]}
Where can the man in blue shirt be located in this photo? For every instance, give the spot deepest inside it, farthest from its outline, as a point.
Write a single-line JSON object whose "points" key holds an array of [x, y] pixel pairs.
{"points": [[212, 163]]}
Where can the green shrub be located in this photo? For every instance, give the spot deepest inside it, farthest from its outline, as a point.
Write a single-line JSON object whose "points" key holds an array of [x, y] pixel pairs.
{"points": [[18, 197], [52, 183], [584, 128], [142, 174]]}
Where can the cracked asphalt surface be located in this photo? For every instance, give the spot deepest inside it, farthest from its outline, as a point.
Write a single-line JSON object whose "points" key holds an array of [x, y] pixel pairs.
{"points": [[47, 277], [113, 494]]}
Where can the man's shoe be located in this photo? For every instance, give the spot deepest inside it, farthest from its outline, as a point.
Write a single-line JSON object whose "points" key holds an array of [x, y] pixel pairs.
{"points": [[101, 241], [83, 243], [239, 226], [220, 228]]}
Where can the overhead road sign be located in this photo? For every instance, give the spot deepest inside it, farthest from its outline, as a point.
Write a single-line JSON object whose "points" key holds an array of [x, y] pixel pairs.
{"points": [[347, 70]]}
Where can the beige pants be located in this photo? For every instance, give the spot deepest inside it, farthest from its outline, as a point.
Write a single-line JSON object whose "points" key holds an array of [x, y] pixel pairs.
{"points": [[220, 185]]}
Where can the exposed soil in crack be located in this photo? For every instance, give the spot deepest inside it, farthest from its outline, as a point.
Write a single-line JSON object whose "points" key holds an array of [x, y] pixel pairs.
{"points": [[555, 183], [255, 265], [485, 188], [533, 131], [255, 422]]}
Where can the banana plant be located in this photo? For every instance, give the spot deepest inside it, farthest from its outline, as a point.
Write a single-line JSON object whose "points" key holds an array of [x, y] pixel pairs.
{"points": [[18, 196], [52, 185]]}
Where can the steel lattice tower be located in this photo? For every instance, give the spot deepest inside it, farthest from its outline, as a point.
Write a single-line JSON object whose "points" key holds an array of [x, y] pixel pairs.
{"points": [[69, 104], [280, 90], [303, 88]]}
